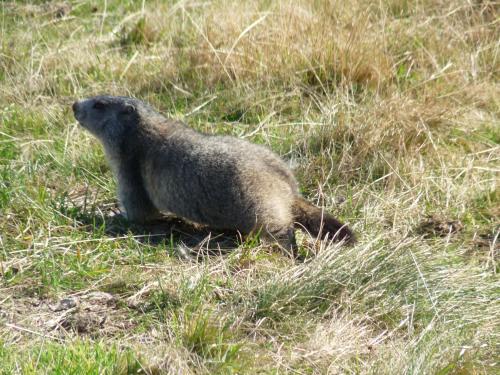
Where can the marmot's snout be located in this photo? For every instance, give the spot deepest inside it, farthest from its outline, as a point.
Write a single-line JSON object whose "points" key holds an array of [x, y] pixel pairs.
{"points": [[78, 111], [75, 107]]}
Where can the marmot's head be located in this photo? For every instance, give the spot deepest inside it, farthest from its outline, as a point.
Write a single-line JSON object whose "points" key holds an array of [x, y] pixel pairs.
{"points": [[109, 118]]}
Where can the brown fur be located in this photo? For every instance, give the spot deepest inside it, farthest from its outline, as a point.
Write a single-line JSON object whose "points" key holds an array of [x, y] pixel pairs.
{"points": [[224, 182], [319, 223]]}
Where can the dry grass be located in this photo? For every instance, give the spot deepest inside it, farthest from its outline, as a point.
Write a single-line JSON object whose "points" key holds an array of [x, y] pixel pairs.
{"points": [[388, 111]]}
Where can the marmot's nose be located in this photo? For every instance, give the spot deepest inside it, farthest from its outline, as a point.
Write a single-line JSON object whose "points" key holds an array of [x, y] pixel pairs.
{"points": [[75, 107]]}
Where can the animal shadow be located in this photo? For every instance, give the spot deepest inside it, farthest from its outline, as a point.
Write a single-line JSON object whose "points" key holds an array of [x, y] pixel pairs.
{"points": [[184, 238]]}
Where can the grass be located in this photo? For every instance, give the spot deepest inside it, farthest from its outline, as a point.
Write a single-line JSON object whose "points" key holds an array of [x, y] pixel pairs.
{"points": [[389, 114]]}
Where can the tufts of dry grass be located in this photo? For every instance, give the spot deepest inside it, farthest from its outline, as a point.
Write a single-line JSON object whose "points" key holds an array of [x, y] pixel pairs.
{"points": [[388, 112]]}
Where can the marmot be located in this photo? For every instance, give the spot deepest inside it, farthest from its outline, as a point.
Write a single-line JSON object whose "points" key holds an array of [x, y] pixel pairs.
{"points": [[221, 181]]}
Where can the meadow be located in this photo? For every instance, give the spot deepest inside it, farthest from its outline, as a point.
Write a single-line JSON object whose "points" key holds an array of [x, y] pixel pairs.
{"points": [[388, 112]]}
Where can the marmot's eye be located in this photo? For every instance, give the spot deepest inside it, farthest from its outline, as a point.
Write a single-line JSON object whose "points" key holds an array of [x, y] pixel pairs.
{"points": [[98, 105], [128, 109]]}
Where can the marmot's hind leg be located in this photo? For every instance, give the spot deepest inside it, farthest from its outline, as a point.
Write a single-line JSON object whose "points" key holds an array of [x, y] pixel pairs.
{"points": [[285, 237]]}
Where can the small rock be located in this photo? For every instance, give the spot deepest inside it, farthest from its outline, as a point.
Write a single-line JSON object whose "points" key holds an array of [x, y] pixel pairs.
{"points": [[100, 298], [340, 200], [66, 304]]}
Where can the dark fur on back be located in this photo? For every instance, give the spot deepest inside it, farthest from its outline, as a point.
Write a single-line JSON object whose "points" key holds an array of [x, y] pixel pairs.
{"points": [[163, 166]]}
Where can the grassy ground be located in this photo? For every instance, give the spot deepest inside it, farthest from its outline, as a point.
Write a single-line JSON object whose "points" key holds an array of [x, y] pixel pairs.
{"points": [[389, 113]]}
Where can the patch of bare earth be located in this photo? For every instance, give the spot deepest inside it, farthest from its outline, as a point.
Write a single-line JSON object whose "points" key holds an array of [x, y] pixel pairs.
{"points": [[91, 313]]}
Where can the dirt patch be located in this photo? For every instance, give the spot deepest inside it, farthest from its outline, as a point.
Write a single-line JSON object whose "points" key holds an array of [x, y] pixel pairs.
{"points": [[486, 240], [94, 314], [438, 226], [485, 244]]}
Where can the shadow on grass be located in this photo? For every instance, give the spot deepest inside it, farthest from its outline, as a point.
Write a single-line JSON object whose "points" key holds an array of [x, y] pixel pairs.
{"points": [[187, 239]]}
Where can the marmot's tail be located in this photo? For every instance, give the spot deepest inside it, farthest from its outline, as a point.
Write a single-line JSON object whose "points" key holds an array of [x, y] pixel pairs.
{"points": [[319, 223]]}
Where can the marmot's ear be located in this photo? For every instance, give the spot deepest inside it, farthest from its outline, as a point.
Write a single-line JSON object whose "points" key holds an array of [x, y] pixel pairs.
{"points": [[129, 108]]}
